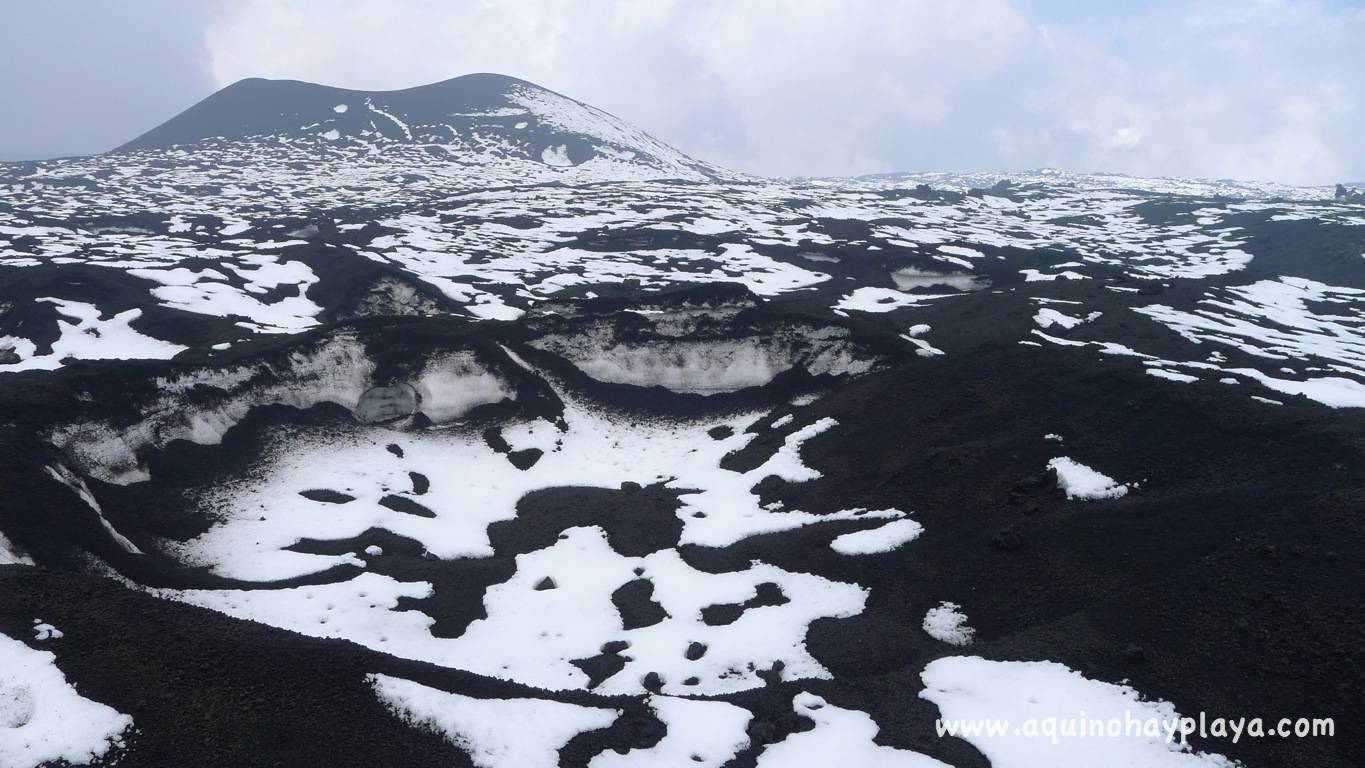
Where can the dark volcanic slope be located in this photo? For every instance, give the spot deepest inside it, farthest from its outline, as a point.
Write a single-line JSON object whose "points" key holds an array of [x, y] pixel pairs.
{"points": [[468, 425], [257, 107], [483, 112]]}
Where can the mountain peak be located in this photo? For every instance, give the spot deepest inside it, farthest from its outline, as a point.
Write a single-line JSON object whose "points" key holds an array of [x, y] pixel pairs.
{"points": [[502, 117]]}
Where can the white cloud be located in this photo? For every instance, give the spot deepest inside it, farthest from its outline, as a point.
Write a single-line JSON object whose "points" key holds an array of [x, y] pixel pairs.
{"points": [[1261, 89]]}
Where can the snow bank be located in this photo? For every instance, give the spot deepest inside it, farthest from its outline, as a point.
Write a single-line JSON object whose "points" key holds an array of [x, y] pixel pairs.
{"points": [[1082, 482], [42, 717], [972, 688], [454, 383], [336, 370], [497, 733], [708, 365]]}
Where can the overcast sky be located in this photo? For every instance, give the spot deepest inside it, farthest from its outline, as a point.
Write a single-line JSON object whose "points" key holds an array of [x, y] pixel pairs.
{"points": [[1252, 89]]}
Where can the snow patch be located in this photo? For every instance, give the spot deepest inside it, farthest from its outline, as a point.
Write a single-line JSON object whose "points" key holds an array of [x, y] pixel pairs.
{"points": [[1046, 318], [706, 734], [10, 554], [44, 631], [557, 156], [883, 538], [972, 688], [1082, 482], [42, 717], [946, 623], [89, 338], [840, 737], [910, 278], [496, 733]]}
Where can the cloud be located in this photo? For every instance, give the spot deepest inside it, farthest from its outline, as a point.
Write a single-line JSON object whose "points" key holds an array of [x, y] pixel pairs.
{"points": [[1259, 89]]}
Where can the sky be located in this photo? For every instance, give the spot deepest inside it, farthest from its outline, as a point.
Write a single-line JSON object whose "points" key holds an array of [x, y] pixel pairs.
{"points": [[1249, 89]]}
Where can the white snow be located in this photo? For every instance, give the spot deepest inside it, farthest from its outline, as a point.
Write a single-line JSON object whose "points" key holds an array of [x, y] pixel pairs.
{"points": [[597, 449], [1046, 318], [44, 631], [908, 278], [1082, 482], [1162, 373], [946, 623], [337, 370], [89, 338], [455, 383], [402, 126], [42, 717], [340, 109], [206, 293], [1282, 320], [532, 636], [556, 156], [1332, 391], [972, 688], [706, 734], [65, 476], [496, 733], [709, 367], [880, 300], [10, 554], [956, 250], [840, 737], [1034, 276], [884, 538], [331, 135]]}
